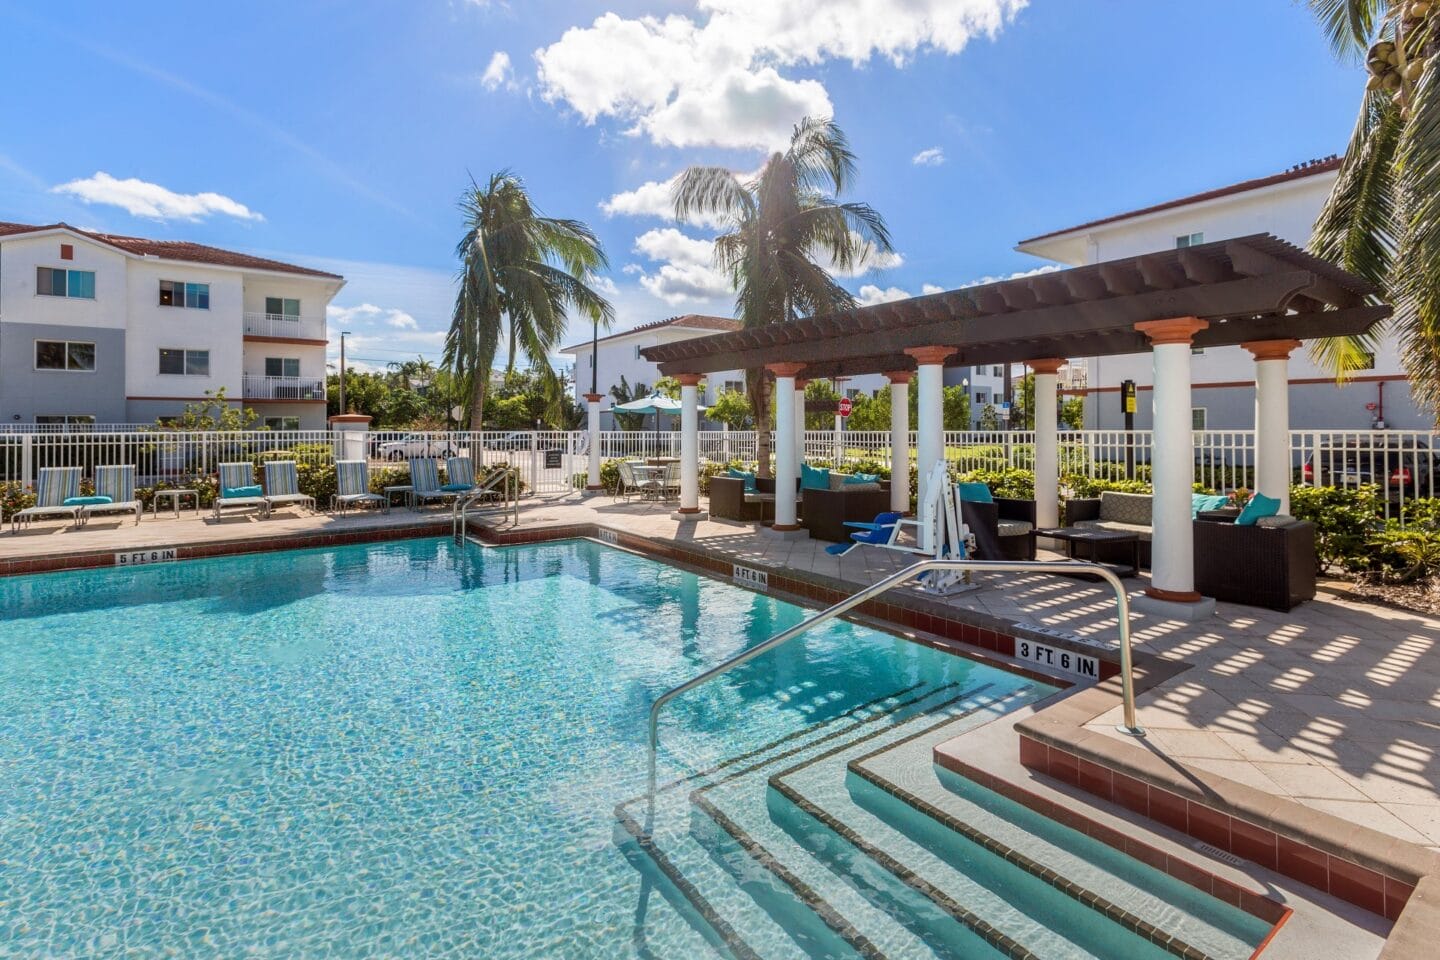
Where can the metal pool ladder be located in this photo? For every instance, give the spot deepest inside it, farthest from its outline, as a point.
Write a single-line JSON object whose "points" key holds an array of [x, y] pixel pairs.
{"points": [[502, 481], [1122, 605]]}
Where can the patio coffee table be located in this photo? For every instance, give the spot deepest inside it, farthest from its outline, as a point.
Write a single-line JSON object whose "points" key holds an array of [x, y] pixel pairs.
{"points": [[1071, 536], [174, 495]]}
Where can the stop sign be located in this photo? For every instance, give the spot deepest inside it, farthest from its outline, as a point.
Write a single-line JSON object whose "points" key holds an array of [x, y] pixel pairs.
{"points": [[844, 407]]}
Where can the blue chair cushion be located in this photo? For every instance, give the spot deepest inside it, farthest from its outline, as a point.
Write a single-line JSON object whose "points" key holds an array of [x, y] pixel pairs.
{"points": [[1259, 506], [87, 501], [862, 478], [746, 475], [455, 487], [1206, 501], [236, 493], [974, 493], [814, 478]]}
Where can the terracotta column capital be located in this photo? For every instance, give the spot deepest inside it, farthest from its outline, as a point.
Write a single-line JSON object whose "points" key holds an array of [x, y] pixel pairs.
{"points": [[1172, 330], [1048, 365], [1271, 349], [689, 379], [785, 369], [931, 355], [594, 397], [801, 383], [899, 376]]}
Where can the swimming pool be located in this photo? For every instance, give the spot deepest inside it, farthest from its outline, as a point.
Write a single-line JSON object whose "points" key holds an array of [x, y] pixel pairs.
{"points": [[409, 749]]}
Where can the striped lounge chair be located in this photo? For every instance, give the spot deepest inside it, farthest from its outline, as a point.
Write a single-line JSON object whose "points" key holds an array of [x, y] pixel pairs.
{"points": [[425, 479], [459, 475], [352, 486], [282, 485], [117, 483], [238, 489], [55, 486]]}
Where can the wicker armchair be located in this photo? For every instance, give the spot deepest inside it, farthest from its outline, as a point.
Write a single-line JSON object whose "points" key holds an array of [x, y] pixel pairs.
{"points": [[729, 502], [1260, 566]]}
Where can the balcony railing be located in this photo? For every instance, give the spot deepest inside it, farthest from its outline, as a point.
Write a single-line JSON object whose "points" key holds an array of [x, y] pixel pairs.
{"points": [[282, 325], [283, 388]]}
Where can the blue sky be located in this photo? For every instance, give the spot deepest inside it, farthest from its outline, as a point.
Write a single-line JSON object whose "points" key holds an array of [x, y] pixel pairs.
{"points": [[340, 134]]}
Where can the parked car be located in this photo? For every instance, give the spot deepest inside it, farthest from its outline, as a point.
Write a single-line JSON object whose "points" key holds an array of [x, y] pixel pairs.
{"points": [[1400, 468], [520, 440], [415, 445]]}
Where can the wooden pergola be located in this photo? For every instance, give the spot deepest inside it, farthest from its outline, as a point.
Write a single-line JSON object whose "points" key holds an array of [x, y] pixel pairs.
{"points": [[1256, 291]]}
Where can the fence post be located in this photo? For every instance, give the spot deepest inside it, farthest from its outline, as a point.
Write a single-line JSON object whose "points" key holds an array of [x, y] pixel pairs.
{"points": [[534, 461], [27, 458]]}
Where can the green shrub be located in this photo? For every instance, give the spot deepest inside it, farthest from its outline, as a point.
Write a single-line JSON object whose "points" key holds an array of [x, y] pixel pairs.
{"points": [[14, 497], [1406, 555], [1009, 482], [1346, 520]]}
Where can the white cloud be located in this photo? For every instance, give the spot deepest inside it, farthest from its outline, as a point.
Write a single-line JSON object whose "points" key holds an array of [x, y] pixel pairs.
{"points": [[653, 198], [499, 72], [871, 260], [684, 82], [870, 295], [1019, 275], [929, 157], [368, 314], [928, 288], [687, 270], [142, 199], [604, 285]]}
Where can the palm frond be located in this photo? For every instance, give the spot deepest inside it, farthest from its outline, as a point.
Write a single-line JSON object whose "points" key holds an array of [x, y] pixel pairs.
{"points": [[1349, 25], [1417, 273]]}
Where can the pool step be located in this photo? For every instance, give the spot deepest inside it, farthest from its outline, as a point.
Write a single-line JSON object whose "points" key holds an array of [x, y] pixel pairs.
{"points": [[1044, 869], [712, 879]]}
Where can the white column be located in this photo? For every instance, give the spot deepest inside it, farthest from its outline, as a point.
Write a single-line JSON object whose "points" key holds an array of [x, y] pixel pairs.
{"points": [[930, 382], [787, 464], [1047, 443], [1172, 460], [1272, 418], [689, 445], [899, 440], [800, 422], [592, 416], [837, 457]]}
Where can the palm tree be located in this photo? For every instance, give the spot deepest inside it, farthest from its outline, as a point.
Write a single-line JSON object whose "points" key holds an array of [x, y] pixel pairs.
{"points": [[519, 273], [1382, 220], [784, 227]]}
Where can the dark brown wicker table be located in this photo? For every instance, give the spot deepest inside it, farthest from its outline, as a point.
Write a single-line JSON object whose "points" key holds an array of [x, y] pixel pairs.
{"points": [[1071, 536]]}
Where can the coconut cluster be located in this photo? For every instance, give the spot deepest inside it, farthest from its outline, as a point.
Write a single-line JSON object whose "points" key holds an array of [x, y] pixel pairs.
{"points": [[1390, 68]]}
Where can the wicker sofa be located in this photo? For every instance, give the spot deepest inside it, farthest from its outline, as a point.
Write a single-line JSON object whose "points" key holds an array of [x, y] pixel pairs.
{"points": [[1270, 564], [824, 512], [729, 501], [1004, 529], [1123, 512]]}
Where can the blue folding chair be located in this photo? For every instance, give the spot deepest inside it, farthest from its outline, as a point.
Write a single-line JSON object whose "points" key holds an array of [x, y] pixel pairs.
{"points": [[877, 533]]}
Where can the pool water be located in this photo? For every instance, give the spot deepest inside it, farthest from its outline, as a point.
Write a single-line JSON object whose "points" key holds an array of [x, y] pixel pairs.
{"points": [[409, 749]]}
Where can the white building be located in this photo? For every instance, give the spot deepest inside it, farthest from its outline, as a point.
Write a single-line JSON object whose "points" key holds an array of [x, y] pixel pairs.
{"points": [[97, 328], [1285, 205]]}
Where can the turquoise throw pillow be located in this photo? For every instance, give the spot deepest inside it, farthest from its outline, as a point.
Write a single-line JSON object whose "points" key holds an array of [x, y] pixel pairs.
{"points": [[455, 487], [87, 501], [746, 475], [1206, 501], [814, 478], [863, 478], [974, 492], [235, 493], [1259, 506]]}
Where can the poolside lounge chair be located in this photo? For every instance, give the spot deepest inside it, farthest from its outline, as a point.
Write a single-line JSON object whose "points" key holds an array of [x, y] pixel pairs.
{"points": [[425, 479], [352, 486], [629, 484], [238, 489], [670, 482], [117, 483], [55, 486], [459, 475], [282, 485], [880, 532]]}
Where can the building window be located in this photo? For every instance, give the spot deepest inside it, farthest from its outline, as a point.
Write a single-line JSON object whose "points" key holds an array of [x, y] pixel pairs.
{"points": [[282, 308], [1189, 240], [591, 358], [1197, 418], [734, 386], [982, 397], [173, 293], [282, 423], [55, 282], [282, 366], [1196, 351], [184, 363], [68, 420], [71, 355], [637, 353], [997, 371]]}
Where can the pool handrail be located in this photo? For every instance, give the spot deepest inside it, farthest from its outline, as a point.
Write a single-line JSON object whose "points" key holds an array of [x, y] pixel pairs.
{"points": [[1060, 567], [459, 522]]}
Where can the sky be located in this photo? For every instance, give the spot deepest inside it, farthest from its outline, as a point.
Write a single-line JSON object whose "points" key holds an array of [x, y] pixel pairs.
{"points": [[341, 135]]}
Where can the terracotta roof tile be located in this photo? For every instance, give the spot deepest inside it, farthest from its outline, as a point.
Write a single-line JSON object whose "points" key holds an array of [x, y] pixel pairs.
{"points": [[172, 250]]}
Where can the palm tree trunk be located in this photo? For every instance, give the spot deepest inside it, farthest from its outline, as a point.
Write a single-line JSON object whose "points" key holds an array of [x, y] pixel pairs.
{"points": [[479, 382], [510, 359], [760, 404]]}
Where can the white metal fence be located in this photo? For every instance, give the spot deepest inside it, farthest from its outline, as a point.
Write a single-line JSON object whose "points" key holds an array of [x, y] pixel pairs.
{"points": [[1401, 464]]}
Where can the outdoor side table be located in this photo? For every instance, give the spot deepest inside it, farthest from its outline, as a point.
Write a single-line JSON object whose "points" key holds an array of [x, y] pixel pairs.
{"points": [[174, 496], [1092, 539], [404, 488]]}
